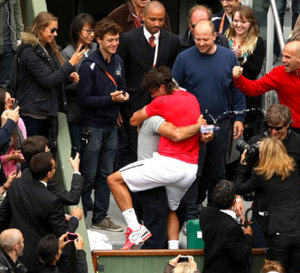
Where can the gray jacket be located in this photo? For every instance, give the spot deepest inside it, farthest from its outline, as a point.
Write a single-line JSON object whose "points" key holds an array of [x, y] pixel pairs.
{"points": [[15, 20]]}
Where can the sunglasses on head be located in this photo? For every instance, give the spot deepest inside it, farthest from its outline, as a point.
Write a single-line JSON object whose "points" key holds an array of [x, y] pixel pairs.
{"points": [[53, 30], [277, 128]]}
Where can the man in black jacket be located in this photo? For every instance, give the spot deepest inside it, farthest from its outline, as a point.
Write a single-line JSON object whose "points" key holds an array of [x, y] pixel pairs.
{"points": [[197, 13], [32, 208], [38, 144], [142, 49], [227, 246], [11, 248]]}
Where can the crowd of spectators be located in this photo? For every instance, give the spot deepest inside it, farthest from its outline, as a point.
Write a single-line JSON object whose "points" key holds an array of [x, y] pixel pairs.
{"points": [[130, 70]]}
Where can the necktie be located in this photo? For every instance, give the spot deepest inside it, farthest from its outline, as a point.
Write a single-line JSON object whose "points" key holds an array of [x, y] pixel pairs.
{"points": [[151, 41]]}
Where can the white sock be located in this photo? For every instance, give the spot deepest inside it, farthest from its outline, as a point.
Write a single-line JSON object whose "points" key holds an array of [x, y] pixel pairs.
{"points": [[173, 244], [131, 220]]}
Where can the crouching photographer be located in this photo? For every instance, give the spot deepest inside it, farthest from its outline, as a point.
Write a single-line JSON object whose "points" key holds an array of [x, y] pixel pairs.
{"points": [[277, 179], [278, 120]]}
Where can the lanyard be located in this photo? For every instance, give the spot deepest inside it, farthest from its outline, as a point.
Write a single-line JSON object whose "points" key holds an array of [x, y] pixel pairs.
{"points": [[111, 78], [222, 23]]}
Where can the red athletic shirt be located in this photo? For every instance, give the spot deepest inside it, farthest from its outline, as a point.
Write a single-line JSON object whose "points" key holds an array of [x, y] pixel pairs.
{"points": [[180, 108], [286, 84]]}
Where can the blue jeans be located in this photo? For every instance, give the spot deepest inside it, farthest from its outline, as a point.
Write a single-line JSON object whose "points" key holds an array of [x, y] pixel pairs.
{"points": [[7, 65], [97, 161]]}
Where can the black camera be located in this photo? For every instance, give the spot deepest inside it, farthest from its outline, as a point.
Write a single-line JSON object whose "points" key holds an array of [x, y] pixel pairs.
{"points": [[183, 259], [252, 154]]}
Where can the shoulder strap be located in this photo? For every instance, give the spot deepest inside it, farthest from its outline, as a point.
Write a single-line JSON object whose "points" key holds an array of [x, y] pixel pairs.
{"points": [[108, 75]]}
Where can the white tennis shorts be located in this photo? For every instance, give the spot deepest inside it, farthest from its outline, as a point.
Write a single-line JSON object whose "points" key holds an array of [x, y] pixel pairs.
{"points": [[175, 175]]}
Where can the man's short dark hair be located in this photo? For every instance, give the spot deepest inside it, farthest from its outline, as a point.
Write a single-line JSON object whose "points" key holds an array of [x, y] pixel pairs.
{"points": [[279, 114], [32, 146], [224, 194], [47, 249], [106, 26], [156, 77], [40, 165]]}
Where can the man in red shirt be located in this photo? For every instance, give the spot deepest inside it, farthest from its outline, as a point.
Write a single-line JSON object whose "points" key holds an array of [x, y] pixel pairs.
{"points": [[284, 79], [175, 164]]}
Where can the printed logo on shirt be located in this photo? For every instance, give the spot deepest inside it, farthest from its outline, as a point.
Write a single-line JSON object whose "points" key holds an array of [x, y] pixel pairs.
{"points": [[119, 70]]}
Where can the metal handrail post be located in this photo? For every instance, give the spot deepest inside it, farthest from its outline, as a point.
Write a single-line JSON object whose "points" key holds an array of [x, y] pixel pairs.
{"points": [[278, 26]]}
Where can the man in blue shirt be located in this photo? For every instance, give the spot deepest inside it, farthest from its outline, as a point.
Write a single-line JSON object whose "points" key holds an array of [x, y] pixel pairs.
{"points": [[204, 70]]}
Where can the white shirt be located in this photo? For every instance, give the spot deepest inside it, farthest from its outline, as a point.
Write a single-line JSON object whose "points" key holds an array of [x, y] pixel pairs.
{"points": [[147, 35], [230, 213], [44, 183]]}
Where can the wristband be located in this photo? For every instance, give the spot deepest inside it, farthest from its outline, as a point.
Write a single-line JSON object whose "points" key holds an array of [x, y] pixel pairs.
{"points": [[5, 187]]}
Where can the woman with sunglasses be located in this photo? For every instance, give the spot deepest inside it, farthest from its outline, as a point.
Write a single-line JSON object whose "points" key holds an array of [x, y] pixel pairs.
{"points": [[81, 35], [277, 178], [41, 75]]}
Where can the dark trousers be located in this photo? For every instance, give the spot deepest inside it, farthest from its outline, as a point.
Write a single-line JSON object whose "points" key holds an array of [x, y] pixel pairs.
{"points": [[154, 206], [211, 168], [285, 248], [132, 136], [36, 126]]}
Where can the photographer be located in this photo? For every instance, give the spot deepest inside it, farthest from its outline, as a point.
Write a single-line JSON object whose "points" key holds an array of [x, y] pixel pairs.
{"points": [[50, 249], [227, 247], [278, 120], [277, 178], [181, 264]]}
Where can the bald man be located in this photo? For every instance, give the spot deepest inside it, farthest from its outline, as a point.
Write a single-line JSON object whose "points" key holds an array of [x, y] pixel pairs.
{"points": [[129, 15], [205, 70], [284, 79], [142, 49], [11, 248]]}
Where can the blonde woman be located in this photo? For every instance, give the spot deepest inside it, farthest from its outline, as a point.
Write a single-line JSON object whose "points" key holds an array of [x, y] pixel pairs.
{"points": [[277, 179], [245, 42], [248, 46]]}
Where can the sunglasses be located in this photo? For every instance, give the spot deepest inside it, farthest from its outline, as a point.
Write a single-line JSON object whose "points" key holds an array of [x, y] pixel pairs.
{"points": [[277, 128], [52, 30]]}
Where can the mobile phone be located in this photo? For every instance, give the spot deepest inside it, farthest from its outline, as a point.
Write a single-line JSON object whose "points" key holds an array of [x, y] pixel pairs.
{"points": [[15, 104], [73, 152], [71, 236], [183, 259], [18, 168], [207, 128], [82, 48]]}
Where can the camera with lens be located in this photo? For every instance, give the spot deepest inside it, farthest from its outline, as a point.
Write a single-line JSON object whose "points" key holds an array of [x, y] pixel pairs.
{"points": [[252, 154]]}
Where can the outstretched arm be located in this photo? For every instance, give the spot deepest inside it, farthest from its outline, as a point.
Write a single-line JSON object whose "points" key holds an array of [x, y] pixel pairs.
{"points": [[178, 134]]}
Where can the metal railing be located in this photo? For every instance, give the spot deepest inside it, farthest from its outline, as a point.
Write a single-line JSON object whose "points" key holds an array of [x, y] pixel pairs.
{"points": [[273, 20]]}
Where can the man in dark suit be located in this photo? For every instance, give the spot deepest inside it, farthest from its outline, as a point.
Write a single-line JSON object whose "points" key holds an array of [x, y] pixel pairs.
{"points": [[38, 144], [227, 246], [34, 210], [128, 15], [140, 55]]}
